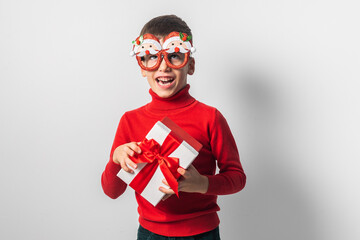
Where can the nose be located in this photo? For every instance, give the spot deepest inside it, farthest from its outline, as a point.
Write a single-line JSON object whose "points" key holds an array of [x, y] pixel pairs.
{"points": [[163, 66]]}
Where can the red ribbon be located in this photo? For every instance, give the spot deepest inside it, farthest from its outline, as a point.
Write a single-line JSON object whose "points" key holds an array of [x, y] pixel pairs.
{"points": [[155, 155]]}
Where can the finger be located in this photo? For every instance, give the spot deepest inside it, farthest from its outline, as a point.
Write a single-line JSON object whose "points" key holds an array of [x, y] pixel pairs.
{"points": [[128, 150], [165, 182], [125, 167], [180, 184], [130, 163], [183, 172], [166, 191], [134, 146]]}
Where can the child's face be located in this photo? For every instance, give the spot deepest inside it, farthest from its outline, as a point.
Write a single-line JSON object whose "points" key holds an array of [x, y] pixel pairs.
{"points": [[166, 81]]}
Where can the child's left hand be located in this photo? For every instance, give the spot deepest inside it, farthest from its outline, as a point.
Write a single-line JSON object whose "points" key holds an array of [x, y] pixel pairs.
{"points": [[191, 181]]}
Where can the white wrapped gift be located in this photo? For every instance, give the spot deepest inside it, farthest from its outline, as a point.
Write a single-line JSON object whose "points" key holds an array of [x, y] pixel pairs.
{"points": [[186, 152]]}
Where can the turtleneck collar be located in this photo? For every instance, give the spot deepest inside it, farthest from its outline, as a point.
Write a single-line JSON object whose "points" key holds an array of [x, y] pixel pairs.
{"points": [[179, 100]]}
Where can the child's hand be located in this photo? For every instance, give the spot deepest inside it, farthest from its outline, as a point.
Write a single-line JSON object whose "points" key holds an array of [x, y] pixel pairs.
{"points": [[192, 181], [122, 153]]}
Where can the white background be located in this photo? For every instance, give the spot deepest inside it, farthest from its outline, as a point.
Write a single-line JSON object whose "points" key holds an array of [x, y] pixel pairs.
{"points": [[284, 73]]}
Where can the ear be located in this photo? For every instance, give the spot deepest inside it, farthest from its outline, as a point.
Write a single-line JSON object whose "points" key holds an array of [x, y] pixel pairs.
{"points": [[143, 72], [191, 69]]}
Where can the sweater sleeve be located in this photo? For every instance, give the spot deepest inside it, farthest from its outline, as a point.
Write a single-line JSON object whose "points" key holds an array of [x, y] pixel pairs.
{"points": [[231, 177], [112, 185]]}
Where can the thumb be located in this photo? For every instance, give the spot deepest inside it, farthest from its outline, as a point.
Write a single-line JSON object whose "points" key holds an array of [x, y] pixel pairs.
{"points": [[182, 171]]}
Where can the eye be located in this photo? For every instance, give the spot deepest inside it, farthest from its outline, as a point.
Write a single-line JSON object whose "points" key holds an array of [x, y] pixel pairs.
{"points": [[174, 56], [149, 59], [152, 57], [150, 45], [180, 43], [142, 46], [173, 44]]}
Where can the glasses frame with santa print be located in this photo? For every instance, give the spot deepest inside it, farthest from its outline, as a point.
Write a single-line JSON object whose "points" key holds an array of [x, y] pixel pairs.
{"points": [[176, 50]]}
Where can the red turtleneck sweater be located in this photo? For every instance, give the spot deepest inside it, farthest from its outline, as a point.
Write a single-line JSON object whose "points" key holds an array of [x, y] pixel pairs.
{"points": [[191, 213]]}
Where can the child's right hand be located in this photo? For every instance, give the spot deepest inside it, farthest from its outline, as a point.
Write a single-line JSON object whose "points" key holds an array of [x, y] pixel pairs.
{"points": [[122, 153]]}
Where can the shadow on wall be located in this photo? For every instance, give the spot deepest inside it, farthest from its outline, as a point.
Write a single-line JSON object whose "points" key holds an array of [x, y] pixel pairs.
{"points": [[274, 204]]}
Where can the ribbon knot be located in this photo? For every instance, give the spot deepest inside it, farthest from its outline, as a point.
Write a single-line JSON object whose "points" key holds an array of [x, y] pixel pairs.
{"points": [[159, 158], [155, 155]]}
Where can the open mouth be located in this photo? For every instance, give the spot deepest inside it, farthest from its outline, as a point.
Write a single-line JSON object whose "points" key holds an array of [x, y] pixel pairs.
{"points": [[164, 81]]}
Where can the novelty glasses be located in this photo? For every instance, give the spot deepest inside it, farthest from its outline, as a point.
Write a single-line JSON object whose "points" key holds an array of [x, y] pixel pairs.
{"points": [[176, 50]]}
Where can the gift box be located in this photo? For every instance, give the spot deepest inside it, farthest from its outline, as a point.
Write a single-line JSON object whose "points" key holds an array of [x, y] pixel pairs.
{"points": [[165, 148]]}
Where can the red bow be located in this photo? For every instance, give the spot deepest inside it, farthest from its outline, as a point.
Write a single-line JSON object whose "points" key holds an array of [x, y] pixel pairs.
{"points": [[154, 155]]}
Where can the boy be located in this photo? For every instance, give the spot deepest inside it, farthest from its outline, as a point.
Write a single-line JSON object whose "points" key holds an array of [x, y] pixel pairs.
{"points": [[163, 51]]}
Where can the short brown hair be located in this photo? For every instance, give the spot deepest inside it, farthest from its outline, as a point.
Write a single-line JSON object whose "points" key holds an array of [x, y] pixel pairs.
{"points": [[163, 25]]}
